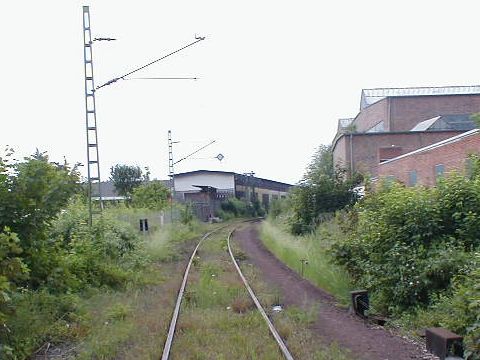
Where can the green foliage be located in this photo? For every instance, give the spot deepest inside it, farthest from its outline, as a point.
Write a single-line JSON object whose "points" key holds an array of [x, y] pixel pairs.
{"points": [[47, 252], [234, 207], [461, 311], [96, 256], [311, 247], [152, 195], [186, 214], [414, 248], [457, 309], [126, 178], [279, 206], [12, 269], [32, 192], [323, 191], [476, 119]]}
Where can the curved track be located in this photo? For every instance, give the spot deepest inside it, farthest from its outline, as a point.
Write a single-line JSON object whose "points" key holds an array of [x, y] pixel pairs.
{"points": [[176, 312]]}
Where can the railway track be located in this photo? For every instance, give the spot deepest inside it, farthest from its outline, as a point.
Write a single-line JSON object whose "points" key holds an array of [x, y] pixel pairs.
{"points": [[178, 305]]}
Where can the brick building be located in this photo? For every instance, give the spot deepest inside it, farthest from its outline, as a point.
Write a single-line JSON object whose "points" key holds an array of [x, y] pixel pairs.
{"points": [[425, 165], [392, 122]]}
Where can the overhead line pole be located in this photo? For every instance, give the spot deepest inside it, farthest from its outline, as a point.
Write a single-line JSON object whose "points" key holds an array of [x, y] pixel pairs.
{"points": [[171, 172], [172, 163], [93, 162]]}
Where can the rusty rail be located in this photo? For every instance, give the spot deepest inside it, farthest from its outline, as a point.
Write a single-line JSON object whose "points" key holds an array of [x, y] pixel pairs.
{"points": [[274, 331], [176, 312]]}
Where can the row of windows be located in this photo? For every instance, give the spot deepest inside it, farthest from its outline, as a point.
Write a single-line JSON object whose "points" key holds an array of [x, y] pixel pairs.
{"points": [[412, 175]]}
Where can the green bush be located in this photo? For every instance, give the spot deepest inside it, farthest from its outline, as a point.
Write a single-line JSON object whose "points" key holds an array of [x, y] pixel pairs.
{"points": [[234, 207], [108, 255], [101, 255], [413, 248]]}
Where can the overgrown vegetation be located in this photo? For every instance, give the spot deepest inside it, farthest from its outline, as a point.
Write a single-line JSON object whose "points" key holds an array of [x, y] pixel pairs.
{"points": [[293, 249], [234, 207], [126, 178], [152, 195], [52, 264], [219, 320], [415, 249], [323, 190]]}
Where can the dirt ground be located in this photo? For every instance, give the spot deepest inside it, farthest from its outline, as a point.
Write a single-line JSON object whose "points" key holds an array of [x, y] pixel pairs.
{"points": [[333, 324]]}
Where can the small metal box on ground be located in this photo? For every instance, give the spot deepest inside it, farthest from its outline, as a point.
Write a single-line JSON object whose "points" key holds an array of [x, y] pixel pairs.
{"points": [[360, 302], [443, 343]]}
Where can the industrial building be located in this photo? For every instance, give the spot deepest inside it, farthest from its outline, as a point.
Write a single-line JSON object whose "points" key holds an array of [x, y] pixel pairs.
{"points": [[208, 189], [426, 165], [396, 121]]}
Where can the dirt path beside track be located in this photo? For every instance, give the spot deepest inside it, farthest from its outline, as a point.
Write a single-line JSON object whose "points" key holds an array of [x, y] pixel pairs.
{"points": [[333, 324]]}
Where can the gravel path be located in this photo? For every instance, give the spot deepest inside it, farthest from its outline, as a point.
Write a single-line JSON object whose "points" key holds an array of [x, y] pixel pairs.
{"points": [[333, 324]]}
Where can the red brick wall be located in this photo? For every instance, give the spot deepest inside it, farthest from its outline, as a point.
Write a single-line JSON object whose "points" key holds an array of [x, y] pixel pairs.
{"points": [[452, 156], [366, 147], [372, 115], [406, 112], [341, 157]]}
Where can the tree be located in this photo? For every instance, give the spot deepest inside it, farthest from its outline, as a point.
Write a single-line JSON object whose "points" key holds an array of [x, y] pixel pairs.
{"points": [[323, 190], [126, 178], [32, 193], [153, 195]]}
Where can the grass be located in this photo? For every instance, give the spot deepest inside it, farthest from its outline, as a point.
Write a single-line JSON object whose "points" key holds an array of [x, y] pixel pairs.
{"points": [[293, 323], [320, 271], [132, 324], [217, 320]]}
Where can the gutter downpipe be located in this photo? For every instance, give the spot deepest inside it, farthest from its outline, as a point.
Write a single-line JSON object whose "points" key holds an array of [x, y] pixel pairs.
{"points": [[351, 155]]}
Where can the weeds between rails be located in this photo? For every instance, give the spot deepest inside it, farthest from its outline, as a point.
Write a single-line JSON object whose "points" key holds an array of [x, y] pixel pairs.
{"points": [[239, 305]]}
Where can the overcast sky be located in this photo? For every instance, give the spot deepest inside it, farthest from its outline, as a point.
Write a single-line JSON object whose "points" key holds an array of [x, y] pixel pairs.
{"points": [[275, 76]]}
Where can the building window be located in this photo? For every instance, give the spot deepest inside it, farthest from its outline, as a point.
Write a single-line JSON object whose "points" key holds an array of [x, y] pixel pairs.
{"points": [[412, 178], [390, 179], [265, 200], [469, 167], [439, 171], [390, 152]]}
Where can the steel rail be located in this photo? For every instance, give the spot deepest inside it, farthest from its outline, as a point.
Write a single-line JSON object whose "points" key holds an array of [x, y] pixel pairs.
{"points": [[173, 323], [274, 331]]}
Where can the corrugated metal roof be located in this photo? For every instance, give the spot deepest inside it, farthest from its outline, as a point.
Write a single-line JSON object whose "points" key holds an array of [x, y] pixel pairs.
{"points": [[424, 125], [371, 96], [446, 122]]}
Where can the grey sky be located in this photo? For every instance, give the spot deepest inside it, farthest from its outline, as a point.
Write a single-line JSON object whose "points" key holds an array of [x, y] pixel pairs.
{"points": [[274, 75]]}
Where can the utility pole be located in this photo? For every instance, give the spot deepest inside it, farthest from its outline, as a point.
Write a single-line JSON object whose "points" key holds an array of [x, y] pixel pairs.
{"points": [[249, 176], [93, 160], [94, 184], [171, 164], [171, 172]]}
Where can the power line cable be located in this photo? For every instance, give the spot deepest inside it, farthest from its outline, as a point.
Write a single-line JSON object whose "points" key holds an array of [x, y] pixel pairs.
{"points": [[196, 151], [198, 39], [163, 78]]}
